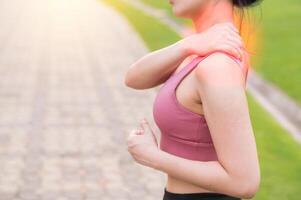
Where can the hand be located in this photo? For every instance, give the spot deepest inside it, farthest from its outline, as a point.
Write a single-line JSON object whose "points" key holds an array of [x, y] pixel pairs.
{"points": [[143, 145], [222, 36]]}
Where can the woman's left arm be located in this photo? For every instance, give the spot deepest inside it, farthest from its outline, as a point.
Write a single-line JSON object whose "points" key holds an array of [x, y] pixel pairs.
{"points": [[236, 173]]}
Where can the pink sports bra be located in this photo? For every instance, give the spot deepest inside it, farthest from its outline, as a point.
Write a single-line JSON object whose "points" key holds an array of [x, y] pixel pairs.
{"points": [[183, 133]]}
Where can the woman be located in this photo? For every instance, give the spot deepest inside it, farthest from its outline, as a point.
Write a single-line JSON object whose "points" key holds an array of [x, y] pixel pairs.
{"points": [[207, 145]]}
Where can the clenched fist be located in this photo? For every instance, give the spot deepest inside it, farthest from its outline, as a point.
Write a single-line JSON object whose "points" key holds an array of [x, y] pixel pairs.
{"points": [[142, 145]]}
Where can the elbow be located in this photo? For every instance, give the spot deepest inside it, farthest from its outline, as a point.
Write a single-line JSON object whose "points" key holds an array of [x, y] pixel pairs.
{"points": [[129, 82], [133, 82], [129, 79], [249, 187], [250, 191]]}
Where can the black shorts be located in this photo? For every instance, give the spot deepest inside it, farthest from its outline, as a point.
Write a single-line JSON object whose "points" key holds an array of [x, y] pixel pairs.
{"points": [[197, 196]]}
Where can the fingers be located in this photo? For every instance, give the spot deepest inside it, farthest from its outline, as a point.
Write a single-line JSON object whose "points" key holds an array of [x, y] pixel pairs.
{"points": [[148, 130], [139, 131], [226, 37], [233, 42], [133, 133], [145, 125], [237, 39], [129, 138], [230, 48], [232, 27], [236, 48], [142, 121], [231, 30]]}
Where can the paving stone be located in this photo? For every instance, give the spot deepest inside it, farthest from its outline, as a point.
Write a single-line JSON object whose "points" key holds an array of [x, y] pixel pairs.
{"points": [[65, 110]]}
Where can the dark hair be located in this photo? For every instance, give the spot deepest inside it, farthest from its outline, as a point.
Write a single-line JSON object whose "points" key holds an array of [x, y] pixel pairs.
{"points": [[242, 9], [245, 3]]}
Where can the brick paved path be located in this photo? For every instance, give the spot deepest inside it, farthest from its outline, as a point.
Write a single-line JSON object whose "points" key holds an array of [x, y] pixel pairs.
{"points": [[64, 109]]}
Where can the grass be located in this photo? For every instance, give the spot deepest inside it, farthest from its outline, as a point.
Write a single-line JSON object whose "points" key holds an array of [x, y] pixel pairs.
{"points": [[279, 157], [281, 62], [279, 154]]}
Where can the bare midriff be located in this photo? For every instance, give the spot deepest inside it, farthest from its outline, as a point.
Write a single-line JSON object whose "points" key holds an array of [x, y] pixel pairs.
{"points": [[178, 186]]}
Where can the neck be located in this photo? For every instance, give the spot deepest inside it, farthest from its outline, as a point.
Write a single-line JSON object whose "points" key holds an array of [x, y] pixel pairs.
{"points": [[213, 13]]}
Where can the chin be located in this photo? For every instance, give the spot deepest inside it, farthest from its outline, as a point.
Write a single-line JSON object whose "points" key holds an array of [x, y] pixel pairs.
{"points": [[180, 12], [186, 8]]}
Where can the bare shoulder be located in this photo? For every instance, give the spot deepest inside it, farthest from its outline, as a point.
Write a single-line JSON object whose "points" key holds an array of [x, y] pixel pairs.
{"points": [[219, 68]]}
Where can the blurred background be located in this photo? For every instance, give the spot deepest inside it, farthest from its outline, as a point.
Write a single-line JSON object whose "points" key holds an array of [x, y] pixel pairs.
{"points": [[65, 111]]}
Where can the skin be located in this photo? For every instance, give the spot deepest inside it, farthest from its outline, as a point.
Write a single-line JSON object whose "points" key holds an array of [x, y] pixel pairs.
{"points": [[156, 67], [215, 88]]}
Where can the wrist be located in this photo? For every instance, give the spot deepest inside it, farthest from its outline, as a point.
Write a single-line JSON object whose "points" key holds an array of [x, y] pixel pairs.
{"points": [[184, 48], [190, 45], [157, 159]]}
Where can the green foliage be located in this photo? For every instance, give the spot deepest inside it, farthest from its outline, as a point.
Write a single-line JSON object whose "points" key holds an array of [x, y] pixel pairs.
{"points": [[279, 157], [281, 60]]}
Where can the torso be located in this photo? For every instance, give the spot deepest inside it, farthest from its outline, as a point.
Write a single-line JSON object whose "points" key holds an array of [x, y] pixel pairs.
{"points": [[187, 96]]}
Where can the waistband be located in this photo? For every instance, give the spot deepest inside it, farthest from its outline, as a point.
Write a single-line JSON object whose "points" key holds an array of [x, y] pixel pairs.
{"points": [[197, 196]]}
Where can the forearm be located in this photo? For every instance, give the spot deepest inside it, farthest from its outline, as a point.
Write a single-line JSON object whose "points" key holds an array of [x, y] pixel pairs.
{"points": [[209, 175], [153, 67]]}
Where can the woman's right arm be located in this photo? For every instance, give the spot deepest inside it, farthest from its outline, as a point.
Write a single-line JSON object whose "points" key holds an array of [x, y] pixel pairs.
{"points": [[156, 67]]}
